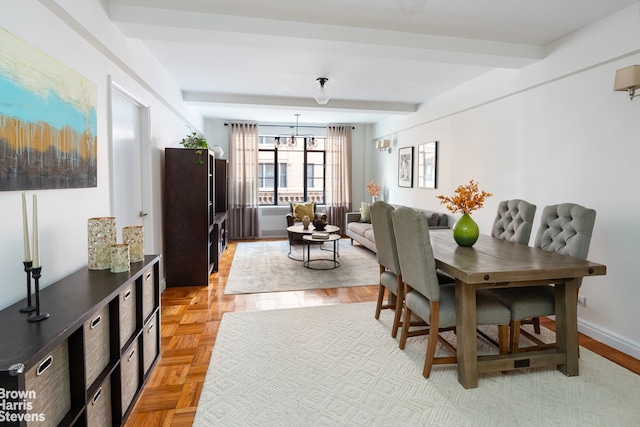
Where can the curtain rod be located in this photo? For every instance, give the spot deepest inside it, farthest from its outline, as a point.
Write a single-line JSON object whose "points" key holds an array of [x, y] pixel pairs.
{"points": [[300, 126]]}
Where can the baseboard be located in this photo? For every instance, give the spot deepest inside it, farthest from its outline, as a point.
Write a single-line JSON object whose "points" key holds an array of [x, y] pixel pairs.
{"points": [[609, 338]]}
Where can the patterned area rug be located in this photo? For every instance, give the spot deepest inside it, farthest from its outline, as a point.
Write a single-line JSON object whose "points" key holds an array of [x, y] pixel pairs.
{"points": [[265, 267], [338, 366]]}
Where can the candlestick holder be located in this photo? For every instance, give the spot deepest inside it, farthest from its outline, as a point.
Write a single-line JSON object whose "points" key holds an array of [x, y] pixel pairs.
{"points": [[37, 316], [27, 269]]}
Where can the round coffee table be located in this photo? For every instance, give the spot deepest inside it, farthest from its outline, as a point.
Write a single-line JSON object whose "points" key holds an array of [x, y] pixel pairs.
{"points": [[309, 239], [301, 232]]}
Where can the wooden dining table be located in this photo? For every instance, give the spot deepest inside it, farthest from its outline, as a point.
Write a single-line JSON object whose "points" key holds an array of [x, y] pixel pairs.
{"points": [[496, 263]]}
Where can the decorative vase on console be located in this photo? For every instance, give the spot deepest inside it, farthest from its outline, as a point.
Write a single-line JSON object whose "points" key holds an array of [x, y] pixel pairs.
{"points": [[305, 222], [466, 200], [101, 235]]}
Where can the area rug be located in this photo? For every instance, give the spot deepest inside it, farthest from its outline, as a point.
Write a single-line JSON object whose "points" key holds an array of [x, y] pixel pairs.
{"points": [[265, 267], [338, 366]]}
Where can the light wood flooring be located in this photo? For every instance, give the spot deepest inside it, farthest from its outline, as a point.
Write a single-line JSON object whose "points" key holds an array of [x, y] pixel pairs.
{"points": [[190, 319]]}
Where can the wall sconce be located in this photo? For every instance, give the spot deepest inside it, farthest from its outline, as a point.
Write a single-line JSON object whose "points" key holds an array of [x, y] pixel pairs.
{"points": [[383, 145], [628, 79]]}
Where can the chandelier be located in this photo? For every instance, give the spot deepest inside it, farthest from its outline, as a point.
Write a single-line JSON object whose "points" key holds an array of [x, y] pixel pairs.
{"points": [[282, 141], [410, 7]]}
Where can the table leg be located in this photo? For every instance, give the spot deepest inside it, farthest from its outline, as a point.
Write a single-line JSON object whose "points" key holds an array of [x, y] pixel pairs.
{"points": [[567, 326], [467, 351]]}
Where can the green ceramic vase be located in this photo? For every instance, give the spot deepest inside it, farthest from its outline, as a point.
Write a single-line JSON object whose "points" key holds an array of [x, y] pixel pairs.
{"points": [[465, 231]]}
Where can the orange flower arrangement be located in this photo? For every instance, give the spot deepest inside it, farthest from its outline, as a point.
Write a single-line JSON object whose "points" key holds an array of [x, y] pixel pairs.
{"points": [[373, 189], [466, 200]]}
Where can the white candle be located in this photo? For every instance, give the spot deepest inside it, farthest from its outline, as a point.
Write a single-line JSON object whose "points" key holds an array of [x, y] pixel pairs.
{"points": [[36, 247], [25, 229]]}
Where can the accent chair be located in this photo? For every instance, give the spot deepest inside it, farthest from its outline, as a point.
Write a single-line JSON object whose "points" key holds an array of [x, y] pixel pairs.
{"points": [[299, 210]]}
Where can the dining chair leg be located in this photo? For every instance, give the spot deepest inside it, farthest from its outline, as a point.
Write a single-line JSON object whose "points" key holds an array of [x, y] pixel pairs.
{"points": [[380, 294], [514, 329], [434, 322], [503, 339], [380, 300], [399, 303], [536, 325], [405, 326]]}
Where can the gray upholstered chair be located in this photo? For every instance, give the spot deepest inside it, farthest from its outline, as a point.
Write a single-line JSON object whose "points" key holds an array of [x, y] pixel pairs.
{"points": [[390, 275], [425, 297], [514, 221], [566, 229]]}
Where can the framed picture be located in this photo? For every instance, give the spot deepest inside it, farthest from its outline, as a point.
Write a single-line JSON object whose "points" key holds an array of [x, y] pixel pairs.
{"points": [[428, 165], [405, 167]]}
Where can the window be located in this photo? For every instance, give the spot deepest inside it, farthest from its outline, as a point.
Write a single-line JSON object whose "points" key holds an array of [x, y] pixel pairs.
{"points": [[291, 172], [266, 176], [310, 175]]}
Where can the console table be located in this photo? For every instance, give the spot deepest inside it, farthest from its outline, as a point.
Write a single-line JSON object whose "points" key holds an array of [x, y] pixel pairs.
{"points": [[86, 364]]}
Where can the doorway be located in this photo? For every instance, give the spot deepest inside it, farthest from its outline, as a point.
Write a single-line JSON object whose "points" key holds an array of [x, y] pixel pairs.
{"points": [[131, 198]]}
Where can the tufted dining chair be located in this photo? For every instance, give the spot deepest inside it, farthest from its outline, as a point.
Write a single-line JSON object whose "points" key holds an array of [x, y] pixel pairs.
{"points": [[565, 229], [514, 221], [425, 297], [390, 275]]}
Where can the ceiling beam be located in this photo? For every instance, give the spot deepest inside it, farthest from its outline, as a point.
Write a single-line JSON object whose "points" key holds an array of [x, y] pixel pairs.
{"points": [[279, 101], [175, 25]]}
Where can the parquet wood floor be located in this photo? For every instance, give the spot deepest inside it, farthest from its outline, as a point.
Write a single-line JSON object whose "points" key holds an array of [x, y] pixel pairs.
{"points": [[190, 319]]}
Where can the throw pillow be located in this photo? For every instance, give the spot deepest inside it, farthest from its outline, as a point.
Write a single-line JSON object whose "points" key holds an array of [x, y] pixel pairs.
{"points": [[365, 212], [302, 209], [433, 219]]}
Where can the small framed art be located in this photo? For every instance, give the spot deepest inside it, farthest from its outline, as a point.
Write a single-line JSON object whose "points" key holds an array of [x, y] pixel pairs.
{"points": [[405, 167], [428, 165]]}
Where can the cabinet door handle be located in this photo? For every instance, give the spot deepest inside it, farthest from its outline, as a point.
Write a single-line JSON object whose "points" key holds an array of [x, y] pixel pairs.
{"points": [[131, 355], [148, 276], [96, 321], [96, 396], [150, 327], [127, 295], [46, 363]]}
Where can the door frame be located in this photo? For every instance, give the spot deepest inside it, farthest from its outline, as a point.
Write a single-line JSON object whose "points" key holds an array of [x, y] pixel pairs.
{"points": [[145, 159]]}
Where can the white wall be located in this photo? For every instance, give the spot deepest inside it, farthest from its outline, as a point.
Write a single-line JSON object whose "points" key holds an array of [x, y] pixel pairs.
{"points": [[79, 35], [550, 133]]}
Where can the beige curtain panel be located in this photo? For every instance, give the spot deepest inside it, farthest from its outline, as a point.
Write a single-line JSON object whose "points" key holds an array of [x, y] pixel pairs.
{"points": [[338, 179], [243, 181]]}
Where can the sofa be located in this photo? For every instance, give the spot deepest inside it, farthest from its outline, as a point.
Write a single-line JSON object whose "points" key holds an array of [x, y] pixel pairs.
{"points": [[362, 231]]}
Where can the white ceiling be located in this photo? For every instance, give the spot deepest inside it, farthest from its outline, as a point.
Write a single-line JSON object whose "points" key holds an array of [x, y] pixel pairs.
{"points": [[259, 59]]}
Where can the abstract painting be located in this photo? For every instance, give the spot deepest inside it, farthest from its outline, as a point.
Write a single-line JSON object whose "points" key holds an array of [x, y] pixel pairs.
{"points": [[48, 123]]}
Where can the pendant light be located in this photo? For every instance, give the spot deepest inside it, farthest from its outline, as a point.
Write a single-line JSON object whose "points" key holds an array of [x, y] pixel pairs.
{"points": [[322, 95]]}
